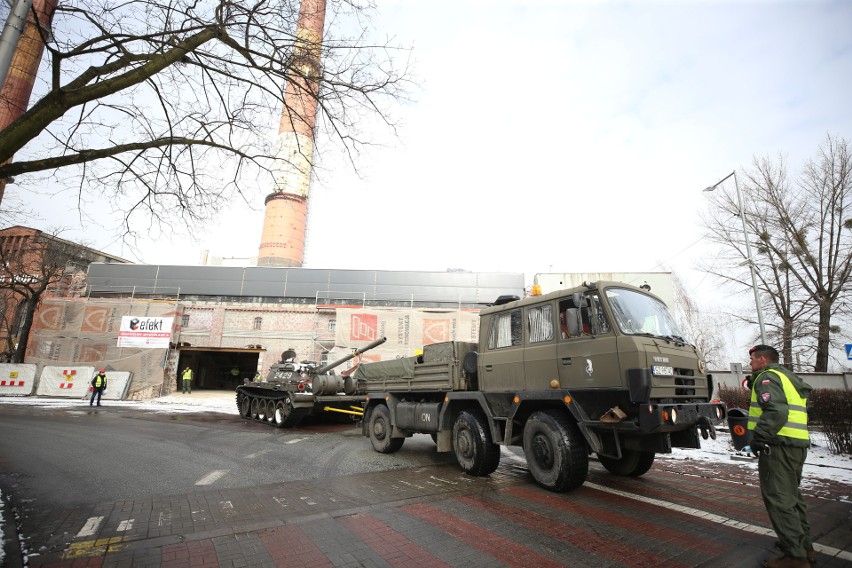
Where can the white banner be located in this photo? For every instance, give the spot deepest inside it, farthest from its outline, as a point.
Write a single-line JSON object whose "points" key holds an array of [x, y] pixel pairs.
{"points": [[142, 331]]}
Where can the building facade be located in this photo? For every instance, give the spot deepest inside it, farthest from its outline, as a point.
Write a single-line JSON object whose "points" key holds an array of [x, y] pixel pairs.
{"points": [[231, 322], [35, 265]]}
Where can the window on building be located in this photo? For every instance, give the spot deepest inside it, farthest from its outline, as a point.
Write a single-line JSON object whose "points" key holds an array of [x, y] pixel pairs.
{"points": [[332, 325], [184, 320], [258, 323]]}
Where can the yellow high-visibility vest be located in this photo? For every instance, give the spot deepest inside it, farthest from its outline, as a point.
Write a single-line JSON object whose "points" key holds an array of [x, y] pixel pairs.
{"points": [[797, 409]]}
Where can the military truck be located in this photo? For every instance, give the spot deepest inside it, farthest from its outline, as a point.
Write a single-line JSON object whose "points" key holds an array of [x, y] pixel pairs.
{"points": [[598, 369], [292, 391]]}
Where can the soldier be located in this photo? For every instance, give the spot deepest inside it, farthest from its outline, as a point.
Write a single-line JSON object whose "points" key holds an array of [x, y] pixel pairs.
{"points": [[778, 420]]}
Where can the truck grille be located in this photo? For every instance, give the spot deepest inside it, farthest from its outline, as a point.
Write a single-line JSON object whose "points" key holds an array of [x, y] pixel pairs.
{"points": [[684, 385]]}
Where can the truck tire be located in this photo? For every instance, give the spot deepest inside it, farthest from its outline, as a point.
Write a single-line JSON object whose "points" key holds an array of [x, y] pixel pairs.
{"points": [[380, 429], [633, 463], [556, 451], [475, 452]]}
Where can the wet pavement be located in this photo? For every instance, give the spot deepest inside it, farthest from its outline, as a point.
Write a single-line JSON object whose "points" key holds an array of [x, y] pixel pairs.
{"points": [[679, 514]]}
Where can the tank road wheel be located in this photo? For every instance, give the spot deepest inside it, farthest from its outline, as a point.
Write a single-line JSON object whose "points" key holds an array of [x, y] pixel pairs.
{"points": [[556, 451], [475, 452], [255, 408], [261, 410], [270, 410], [285, 415], [380, 431], [245, 407], [633, 463]]}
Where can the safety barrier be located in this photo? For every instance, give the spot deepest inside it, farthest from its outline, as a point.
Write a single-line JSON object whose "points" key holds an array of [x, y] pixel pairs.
{"points": [[118, 383], [65, 382], [16, 379], [76, 382]]}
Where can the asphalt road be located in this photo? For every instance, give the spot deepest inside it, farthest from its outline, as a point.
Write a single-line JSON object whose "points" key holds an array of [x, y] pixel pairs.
{"points": [[121, 486], [67, 457]]}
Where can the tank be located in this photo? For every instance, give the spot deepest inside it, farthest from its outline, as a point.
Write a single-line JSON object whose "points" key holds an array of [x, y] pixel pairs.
{"points": [[292, 391]]}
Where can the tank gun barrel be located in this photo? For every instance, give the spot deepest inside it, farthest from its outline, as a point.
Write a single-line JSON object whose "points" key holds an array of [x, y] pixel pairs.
{"points": [[329, 366]]}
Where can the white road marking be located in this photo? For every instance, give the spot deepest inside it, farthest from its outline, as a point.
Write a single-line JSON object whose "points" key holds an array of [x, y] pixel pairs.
{"points": [[827, 550], [258, 454], [211, 477], [295, 441], [91, 527], [718, 519], [125, 526]]}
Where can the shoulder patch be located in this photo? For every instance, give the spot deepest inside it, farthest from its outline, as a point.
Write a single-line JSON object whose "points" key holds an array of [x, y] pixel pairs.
{"points": [[765, 382], [764, 396]]}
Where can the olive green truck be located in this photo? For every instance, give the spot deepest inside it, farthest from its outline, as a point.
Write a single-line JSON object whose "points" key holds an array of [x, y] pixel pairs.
{"points": [[601, 368]]}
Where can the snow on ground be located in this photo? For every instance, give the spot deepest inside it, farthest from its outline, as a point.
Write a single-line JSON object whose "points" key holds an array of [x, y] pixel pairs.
{"points": [[820, 465]]}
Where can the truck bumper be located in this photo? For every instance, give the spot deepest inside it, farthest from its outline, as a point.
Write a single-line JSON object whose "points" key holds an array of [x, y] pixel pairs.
{"points": [[674, 417]]}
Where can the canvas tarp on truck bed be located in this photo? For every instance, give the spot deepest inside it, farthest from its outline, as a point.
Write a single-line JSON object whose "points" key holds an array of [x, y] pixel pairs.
{"points": [[384, 370]]}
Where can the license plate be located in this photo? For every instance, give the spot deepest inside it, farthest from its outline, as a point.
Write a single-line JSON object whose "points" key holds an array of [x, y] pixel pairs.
{"points": [[662, 370]]}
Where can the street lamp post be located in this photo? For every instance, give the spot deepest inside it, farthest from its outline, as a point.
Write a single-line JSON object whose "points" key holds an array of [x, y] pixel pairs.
{"points": [[748, 252]]}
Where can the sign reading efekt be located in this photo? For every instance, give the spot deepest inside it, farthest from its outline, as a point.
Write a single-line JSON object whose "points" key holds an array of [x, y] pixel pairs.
{"points": [[849, 351], [146, 332]]}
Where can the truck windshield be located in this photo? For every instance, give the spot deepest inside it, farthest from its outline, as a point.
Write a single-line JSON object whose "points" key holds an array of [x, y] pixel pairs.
{"points": [[638, 314]]}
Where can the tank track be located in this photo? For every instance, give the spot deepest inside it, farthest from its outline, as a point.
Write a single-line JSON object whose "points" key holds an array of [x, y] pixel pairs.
{"points": [[275, 409]]}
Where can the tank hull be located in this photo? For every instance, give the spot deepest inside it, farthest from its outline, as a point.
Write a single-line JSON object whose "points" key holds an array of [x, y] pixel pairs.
{"points": [[282, 408]]}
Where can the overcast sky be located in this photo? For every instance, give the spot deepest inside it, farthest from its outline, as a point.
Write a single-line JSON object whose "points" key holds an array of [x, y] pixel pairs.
{"points": [[561, 136]]}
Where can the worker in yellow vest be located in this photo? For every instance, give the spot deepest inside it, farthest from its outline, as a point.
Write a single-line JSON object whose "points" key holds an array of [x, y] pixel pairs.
{"points": [[778, 419], [187, 380], [99, 385]]}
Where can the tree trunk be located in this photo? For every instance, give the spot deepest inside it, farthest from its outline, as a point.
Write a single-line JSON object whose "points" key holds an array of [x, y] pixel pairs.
{"points": [[24, 337], [823, 336], [787, 343]]}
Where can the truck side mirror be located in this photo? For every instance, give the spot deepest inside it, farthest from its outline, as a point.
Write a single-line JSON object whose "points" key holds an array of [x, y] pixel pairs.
{"points": [[579, 300]]}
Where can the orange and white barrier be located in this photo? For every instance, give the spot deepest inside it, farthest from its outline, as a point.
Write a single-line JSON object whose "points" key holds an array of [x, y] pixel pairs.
{"points": [[16, 379], [65, 382]]}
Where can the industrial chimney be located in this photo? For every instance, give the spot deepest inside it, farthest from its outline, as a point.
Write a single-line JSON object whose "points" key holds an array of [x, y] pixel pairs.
{"points": [[282, 242]]}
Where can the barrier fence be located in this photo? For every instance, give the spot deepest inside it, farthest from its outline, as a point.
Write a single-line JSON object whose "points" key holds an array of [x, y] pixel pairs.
{"points": [[17, 379]]}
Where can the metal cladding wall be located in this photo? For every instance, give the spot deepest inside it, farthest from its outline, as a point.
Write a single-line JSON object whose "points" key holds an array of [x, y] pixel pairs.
{"points": [[376, 287]]}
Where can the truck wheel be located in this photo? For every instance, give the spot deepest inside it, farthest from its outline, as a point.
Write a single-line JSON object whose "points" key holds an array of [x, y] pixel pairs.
{"points": [[245, 407], [380, 431], [475, 452], [556, 452], [633, 463]]}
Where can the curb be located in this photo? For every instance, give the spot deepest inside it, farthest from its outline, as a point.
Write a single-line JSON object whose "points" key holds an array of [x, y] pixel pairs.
{"points": [[13, 557]]}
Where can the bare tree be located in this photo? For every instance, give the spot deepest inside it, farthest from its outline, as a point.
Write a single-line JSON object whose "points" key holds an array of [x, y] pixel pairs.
{"points": [[802, 233], [704, 330], [144, 96], [45, 265]]}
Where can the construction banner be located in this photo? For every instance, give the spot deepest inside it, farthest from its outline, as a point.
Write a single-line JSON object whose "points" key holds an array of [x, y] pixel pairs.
{"points": [[406, 331], [145, 332]]}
